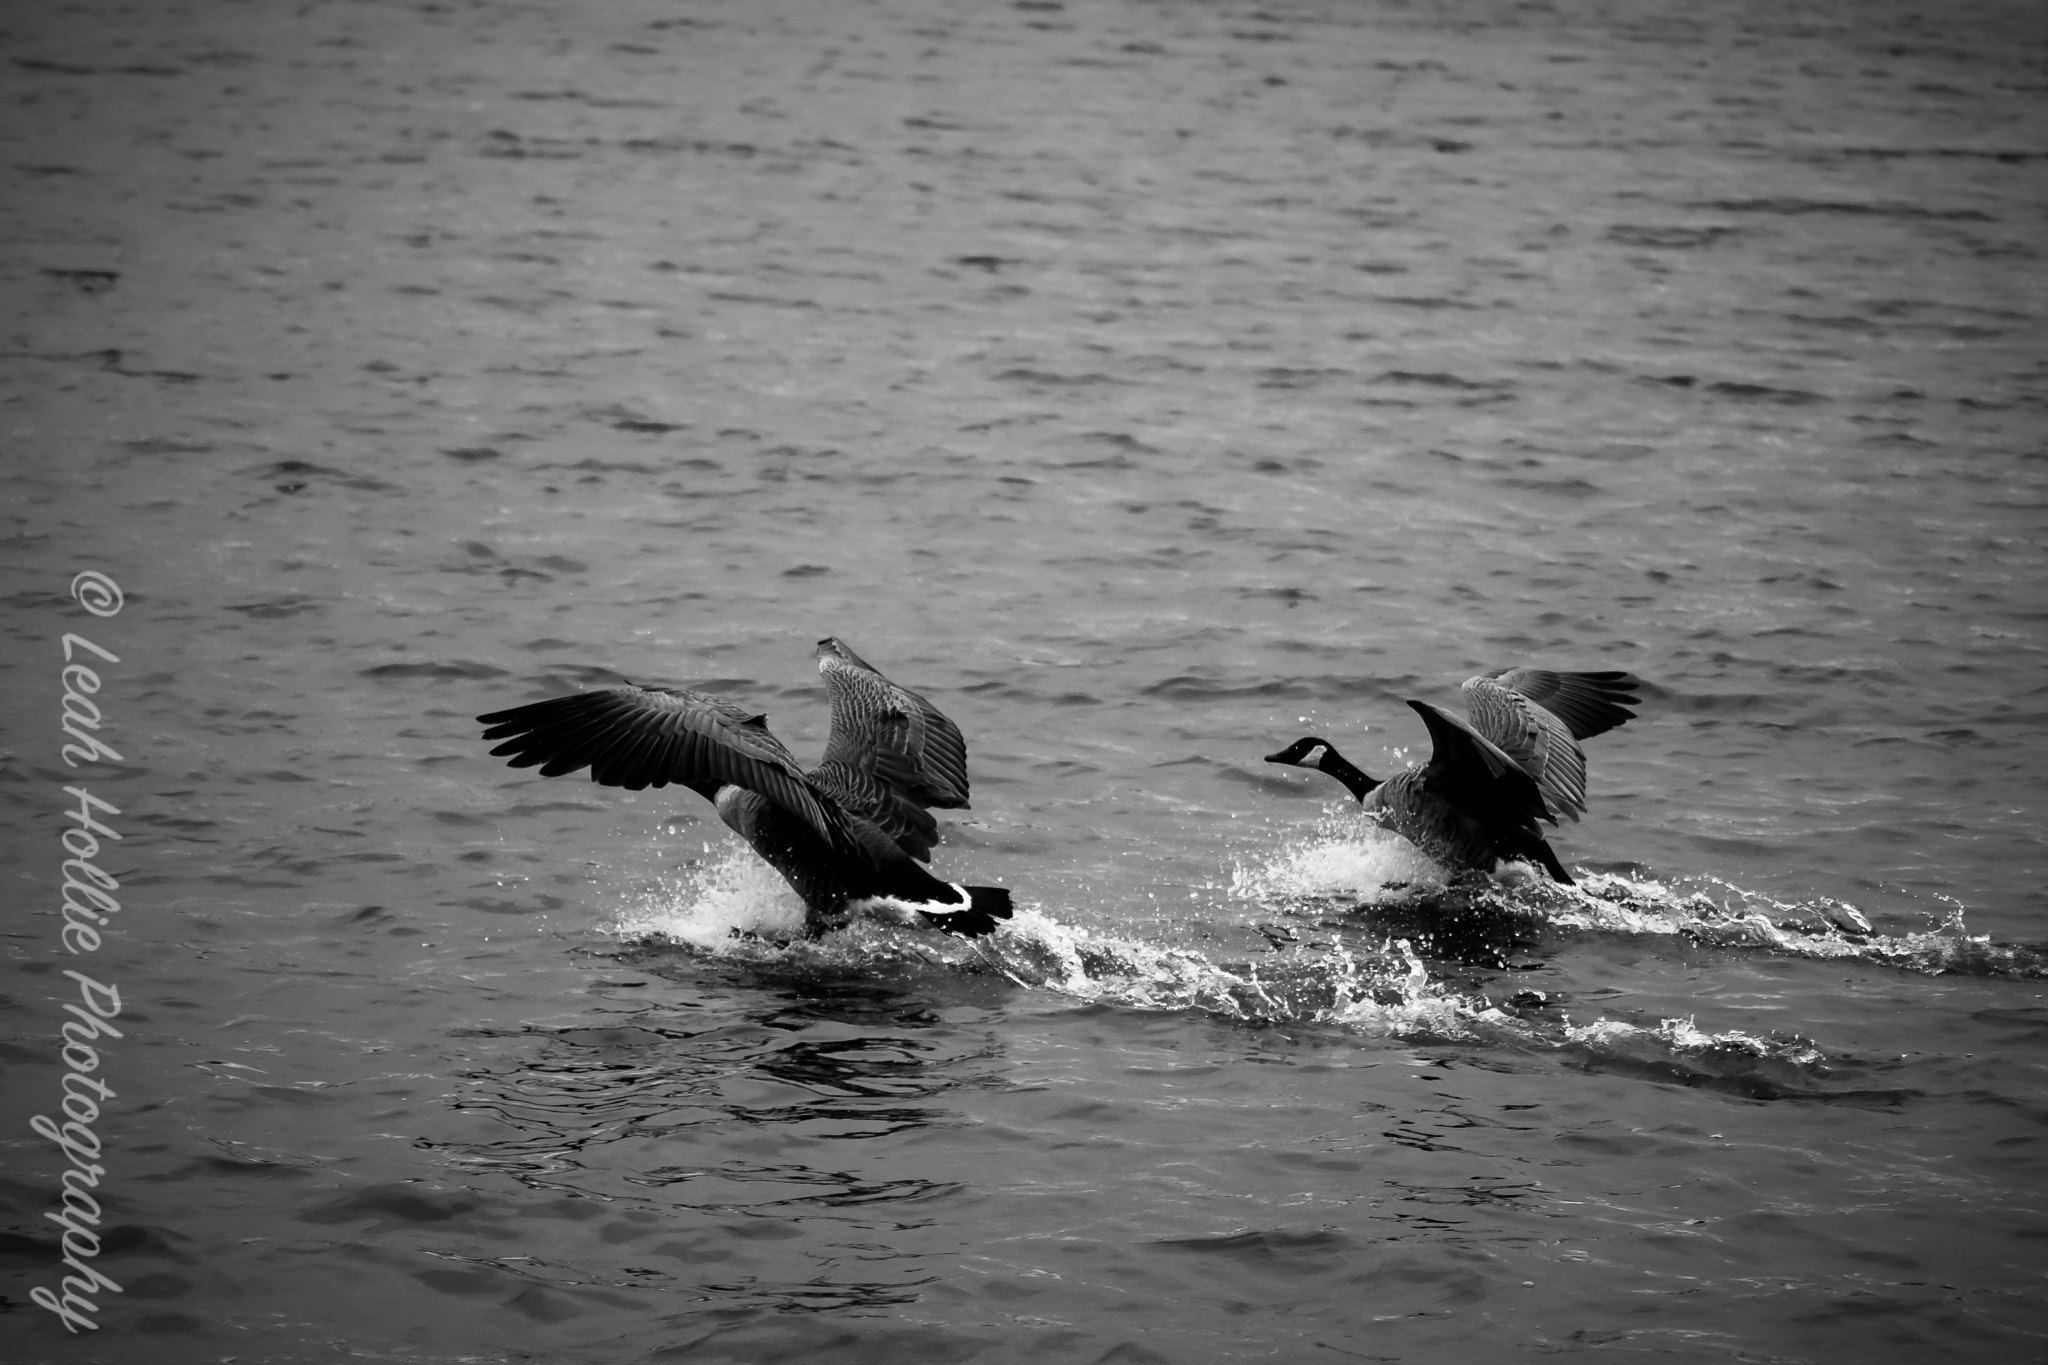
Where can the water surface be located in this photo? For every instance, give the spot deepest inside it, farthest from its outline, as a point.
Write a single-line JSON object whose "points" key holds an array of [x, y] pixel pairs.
{"points": [[1147, 384]]}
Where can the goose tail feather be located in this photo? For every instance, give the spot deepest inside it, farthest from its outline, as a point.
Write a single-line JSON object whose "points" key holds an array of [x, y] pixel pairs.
{"points": [[1548, 859], [986, 906]]}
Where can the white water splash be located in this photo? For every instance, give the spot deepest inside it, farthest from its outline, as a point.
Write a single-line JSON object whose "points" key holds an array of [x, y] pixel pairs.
{"points": [[1384, 994], [1685, 1037], [733, 906], [1349, 855], [729, 898], [1729, 916], [1353, 861]]}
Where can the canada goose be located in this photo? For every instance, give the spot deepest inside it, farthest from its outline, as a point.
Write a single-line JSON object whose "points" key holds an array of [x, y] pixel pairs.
{"points": [[1489, 781], [852, 829]]}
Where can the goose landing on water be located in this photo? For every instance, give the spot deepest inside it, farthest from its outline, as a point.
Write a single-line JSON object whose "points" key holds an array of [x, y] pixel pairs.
{"points": [[1488, 781], [851, 830]]}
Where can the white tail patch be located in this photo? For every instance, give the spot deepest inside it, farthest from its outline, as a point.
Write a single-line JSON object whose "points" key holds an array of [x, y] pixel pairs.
{"points": [[889, 910]]}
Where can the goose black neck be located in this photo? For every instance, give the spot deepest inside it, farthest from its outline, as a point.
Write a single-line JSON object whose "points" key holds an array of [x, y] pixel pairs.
{"points": [[1341, 768]]}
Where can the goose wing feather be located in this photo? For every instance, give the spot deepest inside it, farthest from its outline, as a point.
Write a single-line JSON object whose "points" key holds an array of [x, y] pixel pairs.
{"points": [[1588, 703], [889, 731], [1486, 805], [639, 737], [908, 824], [1475, 774], [1535, 738]]}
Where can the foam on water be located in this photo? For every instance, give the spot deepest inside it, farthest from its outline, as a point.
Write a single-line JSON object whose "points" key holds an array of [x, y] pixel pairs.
{"points": [[1686, 1038], [1729, 916], [1352, 865], [1385, 993], [733, 907]]}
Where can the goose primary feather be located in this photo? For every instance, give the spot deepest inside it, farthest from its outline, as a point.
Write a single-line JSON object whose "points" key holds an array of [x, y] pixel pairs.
{"points": [[855, 828], [1490, 779]]}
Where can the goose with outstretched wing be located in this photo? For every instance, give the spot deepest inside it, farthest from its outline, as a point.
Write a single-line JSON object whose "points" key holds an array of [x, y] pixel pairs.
{"points": [[855, 829], [1489, 780], [1538, 717]]}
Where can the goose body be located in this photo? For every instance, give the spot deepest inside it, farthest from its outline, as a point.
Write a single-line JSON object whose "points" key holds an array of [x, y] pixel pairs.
{"points": [[1490, 780], [855, 828]]}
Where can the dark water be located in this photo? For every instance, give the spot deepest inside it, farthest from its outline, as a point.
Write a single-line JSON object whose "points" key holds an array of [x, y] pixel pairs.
{"points": [[1148, 384]]}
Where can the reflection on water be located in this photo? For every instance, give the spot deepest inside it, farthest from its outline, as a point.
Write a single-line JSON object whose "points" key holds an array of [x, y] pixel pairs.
{"points": [[834, 1060]]}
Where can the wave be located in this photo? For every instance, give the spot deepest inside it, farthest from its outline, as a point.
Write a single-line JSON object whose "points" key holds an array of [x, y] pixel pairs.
{"points": [[1355, 978], [732, 907], [1353, 869]]}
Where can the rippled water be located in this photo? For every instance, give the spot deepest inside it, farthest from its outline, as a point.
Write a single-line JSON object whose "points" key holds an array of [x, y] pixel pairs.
{"points": [[1148, 384]]}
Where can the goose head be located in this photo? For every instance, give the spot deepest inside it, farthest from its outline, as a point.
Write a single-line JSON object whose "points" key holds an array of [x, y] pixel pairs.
{"points": [[832, 647], [1310, 751], [1306, 752]]}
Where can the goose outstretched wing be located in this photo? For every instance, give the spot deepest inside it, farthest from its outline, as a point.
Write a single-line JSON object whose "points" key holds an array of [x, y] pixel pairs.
{"points": [[1538, 717], [1588, 703], [639, 737], [1476, 775], [891, 733]]}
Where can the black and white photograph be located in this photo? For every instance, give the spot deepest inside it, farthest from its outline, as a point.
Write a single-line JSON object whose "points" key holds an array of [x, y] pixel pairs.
{"points": [[1041, 682]]}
